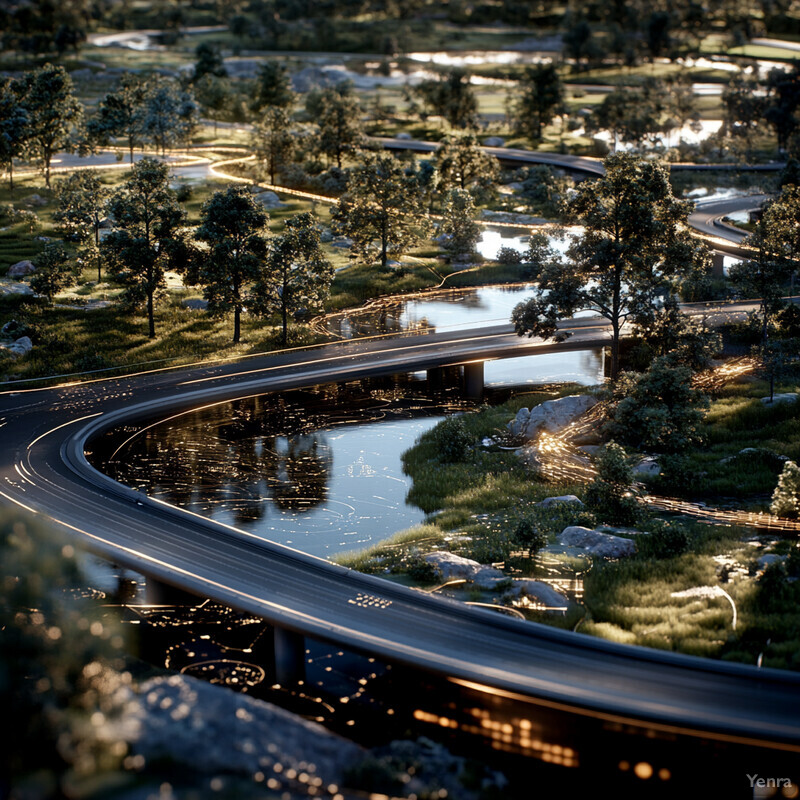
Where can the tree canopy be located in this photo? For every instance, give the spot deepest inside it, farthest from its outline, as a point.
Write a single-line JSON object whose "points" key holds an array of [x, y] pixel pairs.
{"points": [[297, 275], [234, 228], [634, 251], [54, 113], [540, 99], [381, 203], [147, 236]]}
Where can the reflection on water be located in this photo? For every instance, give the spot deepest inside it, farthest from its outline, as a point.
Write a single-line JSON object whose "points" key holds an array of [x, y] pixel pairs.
{"points": [[319, 470], [446, 309]]}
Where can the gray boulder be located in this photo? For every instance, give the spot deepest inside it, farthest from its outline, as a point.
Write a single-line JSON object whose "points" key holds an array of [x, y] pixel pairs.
{"points": [[270, 200], [342, 241], [537, 590], [404, 135], [769, 559], [596, 543], [325, 236], [786, 397], [494, 141], [35, 200], [552, 415], [569, 499], [452, 567], [19, 348], [187, 721], [15, 288], [195, 303], [648, 467], [21, 268], [518, 424]]}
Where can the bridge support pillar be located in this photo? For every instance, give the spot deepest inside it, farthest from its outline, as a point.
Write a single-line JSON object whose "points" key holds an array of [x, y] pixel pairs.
{"points": [[435, 377], [717, 265], [158, 593], [473, 380], [290, 656]]}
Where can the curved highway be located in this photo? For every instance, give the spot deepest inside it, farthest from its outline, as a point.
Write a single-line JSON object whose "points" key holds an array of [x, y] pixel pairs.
{"points": [[44, 435]]}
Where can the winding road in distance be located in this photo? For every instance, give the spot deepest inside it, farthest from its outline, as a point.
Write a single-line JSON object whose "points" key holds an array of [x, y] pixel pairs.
{"points": [[45, 433]]}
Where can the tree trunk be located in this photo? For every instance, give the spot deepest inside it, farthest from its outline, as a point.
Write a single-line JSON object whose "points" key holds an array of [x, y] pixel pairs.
{"points": [[151, 316], [285, 318], [614, 350], [46, 156], [11, 175], [130, 148], [97, 250], [236, 323]]}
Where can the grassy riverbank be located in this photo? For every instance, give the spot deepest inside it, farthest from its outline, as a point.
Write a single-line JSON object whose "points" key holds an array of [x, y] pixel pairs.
{"points": [[475, 504]]}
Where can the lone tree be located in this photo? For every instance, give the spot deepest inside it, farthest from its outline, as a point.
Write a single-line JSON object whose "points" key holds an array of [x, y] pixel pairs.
{"points": [[209, 61], [169, 114], [273, 141], [297, 275], [234, 226], [458, 223], [339, 121], [786, 497], [148, 235], [541, 98], [452, 98], [463, 164], [634, 250], [121, 114], [381, 203], [54, 272], [272, 88], [82, 204], [54, 113], [765, 274]]}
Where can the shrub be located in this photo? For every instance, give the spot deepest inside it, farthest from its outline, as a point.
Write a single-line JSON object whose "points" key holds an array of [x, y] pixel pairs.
{"points": [[421, 571], [452, 441], [528, 534], [786, 497], [509, 256], [663, 541], [610, 493]]}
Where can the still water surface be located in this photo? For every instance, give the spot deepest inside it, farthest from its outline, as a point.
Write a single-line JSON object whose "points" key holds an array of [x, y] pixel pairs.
{"points": [[319, 469]]}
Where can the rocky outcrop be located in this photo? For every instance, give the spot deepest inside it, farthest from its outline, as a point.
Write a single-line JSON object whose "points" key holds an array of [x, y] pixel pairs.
{"points": [[21, 268], [190, 722], [567, 499], [452, 567], [550, 416], [596, 543]]}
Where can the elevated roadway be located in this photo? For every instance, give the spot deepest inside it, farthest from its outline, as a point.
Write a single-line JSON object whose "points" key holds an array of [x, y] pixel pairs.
{"points": [[45, 435]]}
